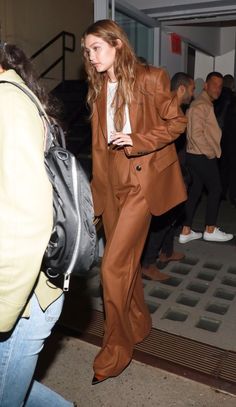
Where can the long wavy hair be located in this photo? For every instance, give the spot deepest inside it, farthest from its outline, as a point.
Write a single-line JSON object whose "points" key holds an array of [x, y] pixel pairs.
{"points": [[124, 67], [13, 57]]}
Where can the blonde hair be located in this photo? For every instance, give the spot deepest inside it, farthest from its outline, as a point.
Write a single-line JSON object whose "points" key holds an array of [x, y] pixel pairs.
{"points": [[124, 67]]}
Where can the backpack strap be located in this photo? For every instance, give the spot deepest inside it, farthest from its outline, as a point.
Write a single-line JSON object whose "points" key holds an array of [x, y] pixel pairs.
{"points": [[50, 127]]}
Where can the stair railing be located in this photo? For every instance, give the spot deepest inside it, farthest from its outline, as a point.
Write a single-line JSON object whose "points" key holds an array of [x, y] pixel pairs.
{"points": [[63, 35]]}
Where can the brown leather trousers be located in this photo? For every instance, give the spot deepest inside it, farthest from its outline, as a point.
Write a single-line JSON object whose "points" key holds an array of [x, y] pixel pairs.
{"points": [[126, 221]]}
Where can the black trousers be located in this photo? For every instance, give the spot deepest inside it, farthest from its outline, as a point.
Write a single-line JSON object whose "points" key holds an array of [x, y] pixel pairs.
{"points": [[232, 180], [161, 235], [205, 173]]}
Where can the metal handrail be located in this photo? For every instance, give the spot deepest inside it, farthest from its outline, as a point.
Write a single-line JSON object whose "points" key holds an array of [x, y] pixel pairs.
{"points": [[62, 35]]}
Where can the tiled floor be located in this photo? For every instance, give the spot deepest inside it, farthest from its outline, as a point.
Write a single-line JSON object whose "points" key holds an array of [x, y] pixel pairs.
{"points": [[199, 300]]}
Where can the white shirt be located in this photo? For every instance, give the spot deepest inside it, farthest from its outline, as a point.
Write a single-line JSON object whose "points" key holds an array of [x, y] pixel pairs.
{"points": [[111, 90]]}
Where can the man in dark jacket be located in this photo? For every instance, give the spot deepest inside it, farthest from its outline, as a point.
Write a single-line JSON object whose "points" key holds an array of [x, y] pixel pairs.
{"points": [[160, 239], [224, 108]]}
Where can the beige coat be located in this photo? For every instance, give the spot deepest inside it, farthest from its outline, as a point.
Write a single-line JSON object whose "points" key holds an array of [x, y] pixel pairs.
{"points": [[203, 132], [156, 122], [25, 204]]}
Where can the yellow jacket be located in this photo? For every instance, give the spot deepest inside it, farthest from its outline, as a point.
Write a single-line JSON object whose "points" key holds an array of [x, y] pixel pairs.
{"points": [[26, 212]]}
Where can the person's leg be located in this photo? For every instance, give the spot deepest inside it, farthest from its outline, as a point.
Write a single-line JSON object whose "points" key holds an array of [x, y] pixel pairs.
{"points": [[124, 308], [41, 396], [19, 354], [153, 242], [167, 252], [194, 193], [167, 247], [126, 222], [224, 176], [213, 185], [232, 180], [139, 315], [195, 189], [210, 172]]}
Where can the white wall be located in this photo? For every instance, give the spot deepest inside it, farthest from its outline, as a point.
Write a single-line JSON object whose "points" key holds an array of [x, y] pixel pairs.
{"points": [[225, 63], [204, 64], [205, 38], [172, 62], [227, 39]]}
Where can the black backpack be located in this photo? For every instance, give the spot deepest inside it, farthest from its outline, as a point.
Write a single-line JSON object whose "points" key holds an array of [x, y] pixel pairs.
{"points": [[73, 244]]}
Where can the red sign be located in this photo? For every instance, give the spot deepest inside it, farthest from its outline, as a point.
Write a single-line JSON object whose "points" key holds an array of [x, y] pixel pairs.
{"points": [[175, 43]]}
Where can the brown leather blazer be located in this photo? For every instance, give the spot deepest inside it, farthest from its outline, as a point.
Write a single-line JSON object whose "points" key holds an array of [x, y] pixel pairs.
{"points": [[156, 121]]}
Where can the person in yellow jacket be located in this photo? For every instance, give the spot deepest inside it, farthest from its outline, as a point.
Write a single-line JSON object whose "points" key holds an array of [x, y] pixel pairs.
{"points": [[29, 304]]}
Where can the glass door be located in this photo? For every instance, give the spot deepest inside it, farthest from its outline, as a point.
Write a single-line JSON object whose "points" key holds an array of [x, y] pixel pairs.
{"points": [[140, 36]]}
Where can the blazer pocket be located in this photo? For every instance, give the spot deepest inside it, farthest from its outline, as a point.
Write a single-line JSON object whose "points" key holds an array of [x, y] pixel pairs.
{"points": [[164, 159]]}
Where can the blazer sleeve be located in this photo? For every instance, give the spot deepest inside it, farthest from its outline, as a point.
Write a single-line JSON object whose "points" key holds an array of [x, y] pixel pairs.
{"points": [[170, 123], [25, 204]]}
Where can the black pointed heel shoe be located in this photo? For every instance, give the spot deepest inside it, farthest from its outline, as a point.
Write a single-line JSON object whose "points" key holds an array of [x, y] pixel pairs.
{"points": [[96, 380]]}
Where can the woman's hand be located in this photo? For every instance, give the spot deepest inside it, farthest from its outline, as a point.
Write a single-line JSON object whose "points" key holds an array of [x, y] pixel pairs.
{"points": [[121, 139]]}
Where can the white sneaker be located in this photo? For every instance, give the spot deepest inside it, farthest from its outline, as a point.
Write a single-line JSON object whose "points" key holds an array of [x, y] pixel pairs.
{"points": [[191, 236], [217, 236]]}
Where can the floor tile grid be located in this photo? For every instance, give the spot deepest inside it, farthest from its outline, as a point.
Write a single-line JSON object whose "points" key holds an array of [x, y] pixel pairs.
{"points": [[208, 318]]}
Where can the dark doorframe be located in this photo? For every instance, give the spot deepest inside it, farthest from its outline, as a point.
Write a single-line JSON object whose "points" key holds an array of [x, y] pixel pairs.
{"points": [[190, 61]]}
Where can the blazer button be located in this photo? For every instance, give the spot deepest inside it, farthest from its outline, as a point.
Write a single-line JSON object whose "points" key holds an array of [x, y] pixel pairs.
{"points": [[138, 167]]}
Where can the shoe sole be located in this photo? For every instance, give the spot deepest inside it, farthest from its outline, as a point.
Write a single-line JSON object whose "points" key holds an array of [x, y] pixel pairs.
{"points": [[163, 278], [189, 240], [162, 264], [217, 240]]}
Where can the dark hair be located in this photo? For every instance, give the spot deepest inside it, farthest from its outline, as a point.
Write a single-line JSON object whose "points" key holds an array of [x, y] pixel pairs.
{"points": [[142, 60], [214, 73], [13, 57], [228, 81], [180, 78]]}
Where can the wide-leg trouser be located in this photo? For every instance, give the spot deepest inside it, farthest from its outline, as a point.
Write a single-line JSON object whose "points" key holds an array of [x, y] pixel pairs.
{"points": [[126, 220]]}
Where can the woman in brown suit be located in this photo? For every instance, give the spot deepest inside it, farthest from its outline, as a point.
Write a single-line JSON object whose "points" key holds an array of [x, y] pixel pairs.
{"points": [[135, 174]]}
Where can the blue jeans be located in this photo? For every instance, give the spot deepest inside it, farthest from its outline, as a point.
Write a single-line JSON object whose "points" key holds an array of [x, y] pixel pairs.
{"points": [[18, 357]]}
